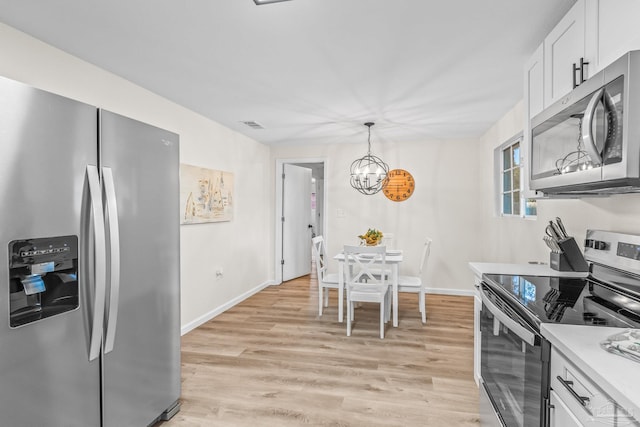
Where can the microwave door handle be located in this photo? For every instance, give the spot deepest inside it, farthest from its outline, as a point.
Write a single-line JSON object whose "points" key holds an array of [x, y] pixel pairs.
{"points": [[524, 334], [610, 109], [587, 128]]}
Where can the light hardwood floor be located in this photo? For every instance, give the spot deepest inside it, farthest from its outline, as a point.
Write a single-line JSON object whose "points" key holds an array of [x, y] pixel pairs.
{"points": [[271, 361]]}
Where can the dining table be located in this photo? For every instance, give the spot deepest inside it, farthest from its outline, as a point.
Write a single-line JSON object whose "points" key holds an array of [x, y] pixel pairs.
{"points": [[393, 259]]}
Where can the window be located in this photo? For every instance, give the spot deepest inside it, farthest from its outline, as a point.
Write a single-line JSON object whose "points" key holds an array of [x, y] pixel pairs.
{"points": [[511, 179]]}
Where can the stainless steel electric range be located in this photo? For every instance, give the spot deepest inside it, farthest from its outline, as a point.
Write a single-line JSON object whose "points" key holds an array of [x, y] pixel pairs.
{"points": [[515, 356]]}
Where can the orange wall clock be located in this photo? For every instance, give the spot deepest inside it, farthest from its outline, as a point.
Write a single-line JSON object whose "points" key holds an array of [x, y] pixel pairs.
{"points": [[399, 185]]}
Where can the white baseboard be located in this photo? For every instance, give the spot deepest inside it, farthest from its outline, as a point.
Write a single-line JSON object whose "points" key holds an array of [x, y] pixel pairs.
{"points": [[221, 309], [446, 291]]}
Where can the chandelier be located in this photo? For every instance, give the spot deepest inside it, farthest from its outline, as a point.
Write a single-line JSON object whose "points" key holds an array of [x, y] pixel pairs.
{"points": [[369, 172]]}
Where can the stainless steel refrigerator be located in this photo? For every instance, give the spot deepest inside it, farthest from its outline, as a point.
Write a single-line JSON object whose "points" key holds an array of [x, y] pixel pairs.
{"points": [[89, 265]]}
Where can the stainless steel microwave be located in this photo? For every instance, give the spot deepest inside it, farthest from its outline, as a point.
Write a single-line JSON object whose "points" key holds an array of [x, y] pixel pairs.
{"points": [[589, 141]]}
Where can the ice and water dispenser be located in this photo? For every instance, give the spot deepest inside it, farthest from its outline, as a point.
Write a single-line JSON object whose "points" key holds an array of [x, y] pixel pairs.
{"points": [[43, 277]]}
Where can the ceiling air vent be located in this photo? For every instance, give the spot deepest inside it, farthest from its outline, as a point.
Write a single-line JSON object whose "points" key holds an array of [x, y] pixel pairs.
{"points": [[254, 125], [259, 2]]}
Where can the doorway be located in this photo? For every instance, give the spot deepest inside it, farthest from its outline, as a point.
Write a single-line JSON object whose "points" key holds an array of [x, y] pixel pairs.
{"points": [[293, 242]]}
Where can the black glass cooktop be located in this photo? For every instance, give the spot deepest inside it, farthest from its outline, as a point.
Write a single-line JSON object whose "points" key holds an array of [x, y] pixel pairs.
{"points": [[575, 301]]}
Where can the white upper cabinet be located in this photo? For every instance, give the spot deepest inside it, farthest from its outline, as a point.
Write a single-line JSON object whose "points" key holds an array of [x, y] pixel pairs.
{"points": [[533, 104], [617, 30], [534, 83], [563, 48], [596, 31]]}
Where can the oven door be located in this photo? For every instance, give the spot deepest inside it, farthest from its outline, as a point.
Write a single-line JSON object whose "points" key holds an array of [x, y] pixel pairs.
{"points": [[512, 366]]}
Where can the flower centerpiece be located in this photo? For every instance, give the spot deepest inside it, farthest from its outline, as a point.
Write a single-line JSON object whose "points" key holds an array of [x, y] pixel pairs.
{"points": [[372, 237]]}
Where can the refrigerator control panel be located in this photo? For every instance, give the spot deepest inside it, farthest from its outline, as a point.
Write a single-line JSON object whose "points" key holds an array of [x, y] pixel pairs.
{"points": [[37, 251], [43, 276]]}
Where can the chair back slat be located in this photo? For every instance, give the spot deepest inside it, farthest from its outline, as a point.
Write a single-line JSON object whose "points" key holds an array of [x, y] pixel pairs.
{"points": [[426, 250], [364, 263], [318, 253]]}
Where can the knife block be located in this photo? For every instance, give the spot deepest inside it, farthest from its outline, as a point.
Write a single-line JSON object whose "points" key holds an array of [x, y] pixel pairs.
{"points": [[571, 258], [559, 262]]}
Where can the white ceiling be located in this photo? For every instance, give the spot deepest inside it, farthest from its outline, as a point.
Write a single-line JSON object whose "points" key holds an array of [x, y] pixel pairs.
{"points": [[311, 71]]}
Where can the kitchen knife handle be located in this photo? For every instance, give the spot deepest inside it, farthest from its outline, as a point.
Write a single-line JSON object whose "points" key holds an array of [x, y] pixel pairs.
{"points": [[556, 228], [114, 248], [553, 231], [100, 267], [561, 227]]}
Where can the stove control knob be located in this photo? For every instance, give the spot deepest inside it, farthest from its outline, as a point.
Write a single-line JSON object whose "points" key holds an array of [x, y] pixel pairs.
{"points": [[596, 244], [600, 245]]}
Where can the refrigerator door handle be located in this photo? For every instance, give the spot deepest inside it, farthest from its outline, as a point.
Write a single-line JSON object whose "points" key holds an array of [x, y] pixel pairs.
{"points": [[100, 267], [114, 248]]}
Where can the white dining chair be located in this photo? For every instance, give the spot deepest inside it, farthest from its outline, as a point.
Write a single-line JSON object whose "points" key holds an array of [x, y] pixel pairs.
{"points": [[388, 240], [362, 285], [415, 284], [326, 280]]}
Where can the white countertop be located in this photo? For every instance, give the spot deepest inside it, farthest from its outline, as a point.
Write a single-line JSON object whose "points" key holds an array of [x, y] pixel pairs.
{"points": [[617, 376], [480, 268]]}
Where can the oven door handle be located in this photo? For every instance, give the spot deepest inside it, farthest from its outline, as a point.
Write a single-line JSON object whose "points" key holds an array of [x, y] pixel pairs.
{"points": [[525, 334]]}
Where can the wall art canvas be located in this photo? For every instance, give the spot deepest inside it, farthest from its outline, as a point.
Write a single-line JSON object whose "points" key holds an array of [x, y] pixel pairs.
{"points": [[206, 195]]}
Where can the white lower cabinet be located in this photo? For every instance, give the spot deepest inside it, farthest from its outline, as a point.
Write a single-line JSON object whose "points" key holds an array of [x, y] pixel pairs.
{"points": [[575, 400], [560, 415]]}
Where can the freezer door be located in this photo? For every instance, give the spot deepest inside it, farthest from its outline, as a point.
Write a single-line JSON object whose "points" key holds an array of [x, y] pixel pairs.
{"points": [[142, 370], [46, 143]]}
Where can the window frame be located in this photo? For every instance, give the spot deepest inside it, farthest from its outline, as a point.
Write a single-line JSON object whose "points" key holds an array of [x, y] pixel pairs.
{"points": [[499, 169]]}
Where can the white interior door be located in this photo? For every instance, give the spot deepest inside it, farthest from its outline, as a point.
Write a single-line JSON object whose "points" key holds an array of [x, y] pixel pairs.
{"points": [[296, 234]]}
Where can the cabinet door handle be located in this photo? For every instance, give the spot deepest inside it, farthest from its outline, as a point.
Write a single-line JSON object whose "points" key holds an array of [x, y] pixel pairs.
{"points": [[577, 83], [547, 413], [568, 385], [582, 67]]}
